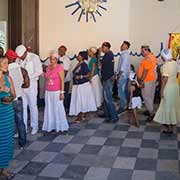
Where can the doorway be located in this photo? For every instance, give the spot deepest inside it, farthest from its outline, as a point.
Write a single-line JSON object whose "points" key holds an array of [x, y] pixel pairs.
{"points": [[23, 23]]}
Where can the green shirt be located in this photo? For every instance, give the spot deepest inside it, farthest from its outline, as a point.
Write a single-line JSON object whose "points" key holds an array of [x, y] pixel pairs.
{"points": [[91, 62]]}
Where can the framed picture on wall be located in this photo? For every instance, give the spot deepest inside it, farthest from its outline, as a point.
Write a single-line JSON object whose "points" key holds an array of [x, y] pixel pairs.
{"points": [[3, 34]]}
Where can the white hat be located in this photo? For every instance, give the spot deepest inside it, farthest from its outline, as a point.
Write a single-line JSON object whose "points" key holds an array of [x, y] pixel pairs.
{"points": [[166, 54], [132, 75], [20, 50]]}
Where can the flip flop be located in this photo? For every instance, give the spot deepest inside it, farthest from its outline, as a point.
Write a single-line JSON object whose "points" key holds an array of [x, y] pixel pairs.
{"points": [[9, 177]]}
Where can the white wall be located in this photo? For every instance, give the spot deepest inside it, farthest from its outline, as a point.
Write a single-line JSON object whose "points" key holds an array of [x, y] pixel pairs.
{"points": [[151, 21], [57, 26], [140, 21]]}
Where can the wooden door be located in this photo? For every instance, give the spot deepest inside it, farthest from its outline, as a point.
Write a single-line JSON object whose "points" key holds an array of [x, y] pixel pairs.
{"points": [[14, 23], [24, 23]]}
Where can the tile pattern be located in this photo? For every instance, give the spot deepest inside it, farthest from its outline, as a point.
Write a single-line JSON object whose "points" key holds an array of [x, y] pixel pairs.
{"points": [[96, 150]]}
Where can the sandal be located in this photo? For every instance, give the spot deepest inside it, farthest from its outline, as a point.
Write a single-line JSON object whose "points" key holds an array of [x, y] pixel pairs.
{"points": [[165, 132], [84, 117], [170, 132], [78, 120], [7, 175]]}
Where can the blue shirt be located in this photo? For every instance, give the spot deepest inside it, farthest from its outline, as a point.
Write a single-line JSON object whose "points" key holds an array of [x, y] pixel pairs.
{"points": [[90, 65], [124, 65]]}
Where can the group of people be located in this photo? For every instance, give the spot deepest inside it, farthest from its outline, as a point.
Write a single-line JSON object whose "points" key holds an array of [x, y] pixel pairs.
{"points": [[92, 81]]}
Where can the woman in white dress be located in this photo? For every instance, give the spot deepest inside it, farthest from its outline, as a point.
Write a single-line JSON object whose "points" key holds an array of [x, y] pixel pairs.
{"points": [[94, 76], [82, 98], [54, 114]]}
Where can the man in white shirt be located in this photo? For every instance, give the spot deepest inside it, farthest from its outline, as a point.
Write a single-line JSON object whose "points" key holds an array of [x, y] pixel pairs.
{"points": [[21, 80], [64, 59], [123, 75], [31, 62]]}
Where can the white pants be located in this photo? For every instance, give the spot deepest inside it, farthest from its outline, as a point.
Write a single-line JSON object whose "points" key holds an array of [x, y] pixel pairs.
{"points": [[148, 93], [30, 100]]}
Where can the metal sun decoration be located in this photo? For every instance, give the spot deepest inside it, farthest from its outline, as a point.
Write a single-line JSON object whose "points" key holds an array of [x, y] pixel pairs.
{"points": [[89, 8]]}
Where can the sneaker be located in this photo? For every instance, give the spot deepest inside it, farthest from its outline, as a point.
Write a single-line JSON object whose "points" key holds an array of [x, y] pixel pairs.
{"points": [[146, 113], [16, 135], [22, 148], [34, 131], [115, 120], [150, 118], [27, 131], [120, 110]]}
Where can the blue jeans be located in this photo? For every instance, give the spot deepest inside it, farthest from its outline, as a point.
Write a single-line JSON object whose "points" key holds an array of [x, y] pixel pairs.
{"points": [[18, 109], [123, 92], [109, 106]]}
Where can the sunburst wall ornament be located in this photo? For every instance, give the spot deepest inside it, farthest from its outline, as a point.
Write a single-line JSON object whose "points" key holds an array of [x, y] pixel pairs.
{"points": [[88, 8]]}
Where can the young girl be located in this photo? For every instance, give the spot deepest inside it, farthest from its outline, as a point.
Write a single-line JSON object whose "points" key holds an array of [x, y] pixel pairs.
{"points": [[135, 96]]}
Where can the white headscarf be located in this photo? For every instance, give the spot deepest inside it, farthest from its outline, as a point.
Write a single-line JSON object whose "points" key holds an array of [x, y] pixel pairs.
{"points": [[133, 77], [54, 54], [20, 50], [166, 54]]}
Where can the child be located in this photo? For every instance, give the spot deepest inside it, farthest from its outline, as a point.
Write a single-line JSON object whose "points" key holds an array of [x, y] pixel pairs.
{"points": [[135, 95]]}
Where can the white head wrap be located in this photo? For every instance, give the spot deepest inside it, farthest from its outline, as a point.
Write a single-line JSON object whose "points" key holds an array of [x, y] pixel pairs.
{"points": [[132, 75], [166, 54], [54, 54], [93, 49], [20, 50]]}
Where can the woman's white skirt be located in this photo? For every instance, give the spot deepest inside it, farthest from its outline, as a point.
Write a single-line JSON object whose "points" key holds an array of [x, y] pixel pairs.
{"points": [[54, 113], [97, 90], [82, 99]]}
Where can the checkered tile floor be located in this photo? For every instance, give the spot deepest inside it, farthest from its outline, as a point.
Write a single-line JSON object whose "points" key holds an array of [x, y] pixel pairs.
{"points": [[99, 151]]}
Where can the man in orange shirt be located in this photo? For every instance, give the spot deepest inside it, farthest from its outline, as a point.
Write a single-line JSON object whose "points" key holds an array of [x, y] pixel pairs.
{"points": [[147, 79]]}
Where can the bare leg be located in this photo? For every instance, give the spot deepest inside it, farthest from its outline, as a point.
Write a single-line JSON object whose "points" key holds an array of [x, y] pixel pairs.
{"points": [[5, 174], [135, 117], [84, 116], [165, 128], [170, 128], [130, 118], [79, 118]]}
